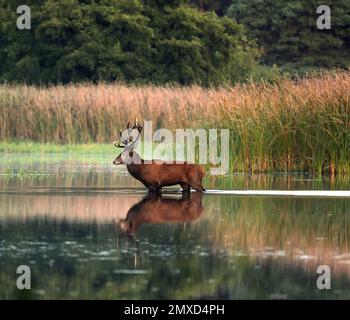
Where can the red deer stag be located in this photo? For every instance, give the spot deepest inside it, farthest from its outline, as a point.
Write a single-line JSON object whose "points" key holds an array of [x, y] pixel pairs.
{"points": [[153, 209], [156, 174]]}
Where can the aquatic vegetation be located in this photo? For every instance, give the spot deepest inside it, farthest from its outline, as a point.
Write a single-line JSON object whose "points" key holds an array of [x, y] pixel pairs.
{"points": [[290, 125]]}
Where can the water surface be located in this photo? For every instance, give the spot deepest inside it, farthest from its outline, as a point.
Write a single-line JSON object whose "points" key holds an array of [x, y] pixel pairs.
{"points": [[87, 231]]}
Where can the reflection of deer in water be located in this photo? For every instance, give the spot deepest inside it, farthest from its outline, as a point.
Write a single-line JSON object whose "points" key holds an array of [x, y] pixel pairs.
{"points": [[156, 210]]}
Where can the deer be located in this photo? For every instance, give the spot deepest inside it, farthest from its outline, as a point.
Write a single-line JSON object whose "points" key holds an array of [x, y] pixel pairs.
{"points": [[154, 209], [156, 174]]}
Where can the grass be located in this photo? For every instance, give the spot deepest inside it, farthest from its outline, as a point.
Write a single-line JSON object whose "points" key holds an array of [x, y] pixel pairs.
{"points": [[286, 126]]}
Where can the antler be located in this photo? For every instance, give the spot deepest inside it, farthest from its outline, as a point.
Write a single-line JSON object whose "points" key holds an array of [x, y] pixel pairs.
{"points": [[117, 144], [120, 143], [129, 141], [138, 126]]}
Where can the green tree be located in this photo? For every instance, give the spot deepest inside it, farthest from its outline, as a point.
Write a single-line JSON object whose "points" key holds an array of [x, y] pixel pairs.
{"points": [[288, 34], [75, 40], [219, 6], [129, 40], [196, 47]]}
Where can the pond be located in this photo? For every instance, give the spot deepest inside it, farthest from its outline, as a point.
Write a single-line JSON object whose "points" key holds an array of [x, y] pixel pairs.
{"points": [[88, 231]]}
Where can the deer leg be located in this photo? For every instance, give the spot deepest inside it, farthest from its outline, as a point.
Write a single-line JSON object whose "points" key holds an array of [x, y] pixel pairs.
{"points": [[154, 190], [198, 187], [186, 195], [153, 196], [185, 187]]}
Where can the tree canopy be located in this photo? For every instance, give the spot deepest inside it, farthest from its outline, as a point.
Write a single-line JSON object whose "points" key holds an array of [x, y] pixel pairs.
{"points": [[287, 32], [169, 41], [128, 40]]}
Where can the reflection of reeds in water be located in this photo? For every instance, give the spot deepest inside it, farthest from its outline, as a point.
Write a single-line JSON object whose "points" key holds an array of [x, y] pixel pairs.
{"points": [[298, 232], [303, 232], [77, 208], [100, 208]]}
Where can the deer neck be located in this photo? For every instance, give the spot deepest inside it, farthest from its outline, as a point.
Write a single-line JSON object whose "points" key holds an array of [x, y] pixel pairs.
{"points": [[137, 161]]}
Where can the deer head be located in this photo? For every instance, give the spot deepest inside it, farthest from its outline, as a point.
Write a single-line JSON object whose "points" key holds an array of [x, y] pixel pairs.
{"points": [[128, 139]]}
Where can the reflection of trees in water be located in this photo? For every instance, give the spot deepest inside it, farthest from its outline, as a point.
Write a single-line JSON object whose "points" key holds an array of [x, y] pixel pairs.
{"points": [[151, 267], [303, 231], [242, 247], [291, 231]]}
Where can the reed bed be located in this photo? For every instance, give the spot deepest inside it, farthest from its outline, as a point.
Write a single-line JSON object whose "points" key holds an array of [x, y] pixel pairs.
{"points": [[286, 126]]}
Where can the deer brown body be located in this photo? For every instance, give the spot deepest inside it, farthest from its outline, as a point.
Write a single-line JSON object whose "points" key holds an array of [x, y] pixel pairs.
{"points": [[156, 210], [158, 174]]}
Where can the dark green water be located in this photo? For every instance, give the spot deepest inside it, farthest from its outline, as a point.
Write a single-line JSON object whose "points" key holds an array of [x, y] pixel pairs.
{"points": [[86, 231]]}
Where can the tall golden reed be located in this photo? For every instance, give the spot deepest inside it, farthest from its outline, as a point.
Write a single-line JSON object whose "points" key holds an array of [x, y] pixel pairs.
{"points": [[289, 125]]}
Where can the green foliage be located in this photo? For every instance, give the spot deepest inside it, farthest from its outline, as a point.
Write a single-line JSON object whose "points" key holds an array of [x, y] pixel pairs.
{"points": [[73, 41], [201, 48], [127, 40], [219, 6], [288, 34]]}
